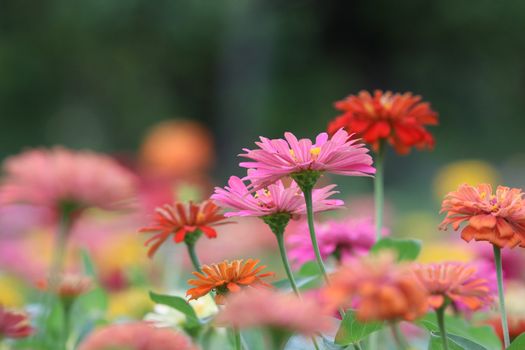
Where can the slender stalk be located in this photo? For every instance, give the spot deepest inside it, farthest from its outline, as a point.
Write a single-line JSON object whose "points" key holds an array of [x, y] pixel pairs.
{"points": [[379, 192], [193, 256], [59, 253], [357, 346], [440, 313], [501, 295], [237, 339], [398, 336], [286, 263], [310, 214]]}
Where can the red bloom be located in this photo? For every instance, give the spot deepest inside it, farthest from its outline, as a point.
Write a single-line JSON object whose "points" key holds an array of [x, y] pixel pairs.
{"points": [[182, 219], [397, 118], [14, 324]]}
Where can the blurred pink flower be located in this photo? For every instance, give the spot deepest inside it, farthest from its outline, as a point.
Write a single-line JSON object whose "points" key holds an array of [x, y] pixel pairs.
{"points": [[274, 199], [58, 177], [343, 239], [512, 260], [14, 324], [135, 336], [267, 308], [278, 158]]}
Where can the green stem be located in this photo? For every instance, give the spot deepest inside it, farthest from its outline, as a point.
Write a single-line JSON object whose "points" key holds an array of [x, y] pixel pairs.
{"points": [[193, 256], [357, 346], [398, 336], [237, 339], [379, 192], [286, 263], [310, 214], [440, 313], [502, 310]]}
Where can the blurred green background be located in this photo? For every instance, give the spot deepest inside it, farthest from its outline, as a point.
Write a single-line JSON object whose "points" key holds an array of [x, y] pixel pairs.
{"points": [[97, 74]]}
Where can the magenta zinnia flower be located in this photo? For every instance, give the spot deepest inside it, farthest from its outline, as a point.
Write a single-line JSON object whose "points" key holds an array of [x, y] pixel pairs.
{"points": [[345, 240], [274, 199], [14, 324], [58, 178], [136, 336], [278, 158]]}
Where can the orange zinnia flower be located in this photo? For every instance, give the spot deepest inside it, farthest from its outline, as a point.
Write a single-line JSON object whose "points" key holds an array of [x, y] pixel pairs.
{"points": [[498, 219], [379, 289], [227, 277], [69, 286], [182, 219], [457, 282], [397, 118]]}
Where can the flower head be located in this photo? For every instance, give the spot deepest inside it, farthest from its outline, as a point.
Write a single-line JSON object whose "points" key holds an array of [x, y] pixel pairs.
{"points": [[181, 220], [225, 277], [61, 179], [497, 218], [135, 336], [345, 240], [458, 283], [14, 324], [399, 119], [267, 308], [69, 286], [381, 290], [278, 158], [274, 199]]}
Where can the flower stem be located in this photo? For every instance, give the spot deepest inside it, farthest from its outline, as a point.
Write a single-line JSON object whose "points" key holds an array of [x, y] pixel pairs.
{"points": [[379, 192], [502, 310], [286, 263], [310, 214], [237, 339], [193, 256], [357, 346], [398, 336], [440, 313]]}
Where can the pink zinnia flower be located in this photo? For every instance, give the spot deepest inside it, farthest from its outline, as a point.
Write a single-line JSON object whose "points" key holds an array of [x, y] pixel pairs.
{"points": [[267, 308], [274, 199], [459, 283], [278, 158], [14, 324], [135, 336], [344, 239], [61, 179]]}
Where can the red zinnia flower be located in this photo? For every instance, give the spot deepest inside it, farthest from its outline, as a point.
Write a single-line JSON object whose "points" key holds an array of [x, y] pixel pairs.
{"points": [[397, 118], [182, 219], [14, 324]]}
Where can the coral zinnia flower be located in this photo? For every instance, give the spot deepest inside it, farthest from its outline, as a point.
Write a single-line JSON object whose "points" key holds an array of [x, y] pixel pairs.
{"points": [[274, 199], [182, 219], [397, 118], [279, 158], [345, 240], [459, 283], [381, 290], [14, 324], [498, 219], [61, 179], [69, 286], [136, 336], [227, 277], [267, 308]]}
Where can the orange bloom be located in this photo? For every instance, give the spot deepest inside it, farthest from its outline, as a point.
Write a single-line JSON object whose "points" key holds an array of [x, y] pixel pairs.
{"points": [[397, 118], [227, 277], [182, 219], [498, 219], [69, 286], [516, 326], [379, 289], [457, 282]]}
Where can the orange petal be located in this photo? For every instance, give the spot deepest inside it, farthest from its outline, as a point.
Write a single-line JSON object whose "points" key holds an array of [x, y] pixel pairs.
{"points": [[483, 221]]}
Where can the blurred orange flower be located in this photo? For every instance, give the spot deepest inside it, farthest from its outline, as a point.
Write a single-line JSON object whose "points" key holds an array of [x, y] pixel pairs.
{"points": [[498, 219], [225, 277], [182, 219], [69, 286], [399, 119], [379, 289]]}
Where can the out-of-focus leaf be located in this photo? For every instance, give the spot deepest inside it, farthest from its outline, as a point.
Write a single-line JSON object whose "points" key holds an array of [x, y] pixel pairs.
{"points": [[180, 304], [518, 343], [352, 331], [406, 249], [87, 263], [455, 342], [303, 283], [309, 268]]}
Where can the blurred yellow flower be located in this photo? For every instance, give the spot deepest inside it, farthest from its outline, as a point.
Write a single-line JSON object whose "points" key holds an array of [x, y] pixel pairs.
{"points": [[130, 253], [433, 252], [420, 224], [11, 292], [470, 171], [132, 303]]}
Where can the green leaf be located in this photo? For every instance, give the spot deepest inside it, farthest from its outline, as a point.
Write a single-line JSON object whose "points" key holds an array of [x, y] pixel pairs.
{"points": [[518, 343], [455, 342], [180, 304], [483, 335], [406, 249], [87, 263], [352, 331], [303, 283], [310, 268]]}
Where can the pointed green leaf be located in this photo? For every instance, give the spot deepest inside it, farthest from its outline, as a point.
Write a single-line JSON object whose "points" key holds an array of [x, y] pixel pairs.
{"points": [[179, 304], [518, 343], [352, 331], [406, 249], [455, 341]]}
